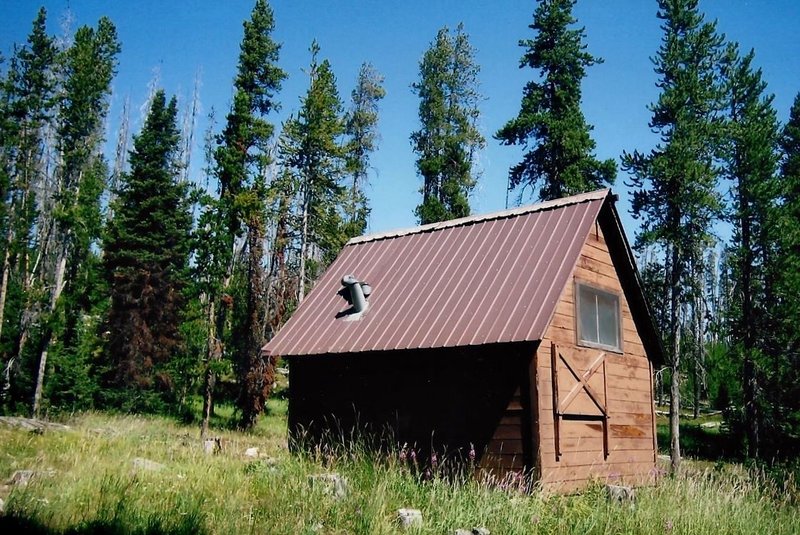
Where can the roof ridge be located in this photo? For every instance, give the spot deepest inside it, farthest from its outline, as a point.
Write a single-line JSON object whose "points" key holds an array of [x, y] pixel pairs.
{"points": [[511, 212]]}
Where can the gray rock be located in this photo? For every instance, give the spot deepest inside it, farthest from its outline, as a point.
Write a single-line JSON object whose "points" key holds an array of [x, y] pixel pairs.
{"points": [[620, 494], [252, 453], [710, 425], [212, 446], [462, 532], [481, 531], [21, 477], [409, 518], [147, 465], [32, 424], [331, 484]]}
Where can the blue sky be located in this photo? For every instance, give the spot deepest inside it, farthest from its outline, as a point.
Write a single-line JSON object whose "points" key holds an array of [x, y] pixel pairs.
{"points": [[178, 39]]}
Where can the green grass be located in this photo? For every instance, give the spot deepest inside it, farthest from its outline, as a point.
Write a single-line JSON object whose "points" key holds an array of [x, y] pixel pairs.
{"points": [[89, 485]]}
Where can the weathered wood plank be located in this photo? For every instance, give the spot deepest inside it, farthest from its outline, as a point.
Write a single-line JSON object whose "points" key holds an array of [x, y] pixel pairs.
{"points": [[590, 431], [508, 446], [646, 477], [618, 459], [578, 444], [503, 432]]}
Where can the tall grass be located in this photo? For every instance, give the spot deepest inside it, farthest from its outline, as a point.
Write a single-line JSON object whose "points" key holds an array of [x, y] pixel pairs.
{"points": [[88, 484]]}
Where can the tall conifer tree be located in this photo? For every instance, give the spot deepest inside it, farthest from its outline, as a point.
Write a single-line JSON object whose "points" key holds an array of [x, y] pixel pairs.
{"points": [[29, 98], [750, 164], [787, 364], [361, 127], [146, 258], [311, 150], [243, 159], [448, 140], [550, 126], [674, 185], [70, 225]]}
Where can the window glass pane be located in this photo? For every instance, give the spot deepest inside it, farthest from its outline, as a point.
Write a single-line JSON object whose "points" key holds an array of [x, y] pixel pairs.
{"points": [[587, 315], [607, 310]]}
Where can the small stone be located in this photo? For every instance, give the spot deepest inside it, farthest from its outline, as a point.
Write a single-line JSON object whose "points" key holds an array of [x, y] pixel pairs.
{"points": [[251, 453], [409, 518], [331, 484], [709, 425], [462, 532], [620, 494], [212, 446], [147, 465], [21, 477], [481, 531]]}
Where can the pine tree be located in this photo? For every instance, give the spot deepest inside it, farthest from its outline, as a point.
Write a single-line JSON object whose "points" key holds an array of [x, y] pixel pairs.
{"points": [[361, 127], [786, 381], [282, 280], [674, 185], [751, 164], [550, 126], [146, 258], [448, 140], [312, 152], [243, 159], [29, 91], [73, 219]]}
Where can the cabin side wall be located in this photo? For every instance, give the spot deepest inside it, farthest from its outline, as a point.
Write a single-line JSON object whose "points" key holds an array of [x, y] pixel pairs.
{"points": [[621, 380], [443, 400]]}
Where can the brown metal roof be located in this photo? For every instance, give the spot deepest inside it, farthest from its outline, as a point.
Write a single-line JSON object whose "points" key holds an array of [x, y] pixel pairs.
{"points": [[477, 280]]}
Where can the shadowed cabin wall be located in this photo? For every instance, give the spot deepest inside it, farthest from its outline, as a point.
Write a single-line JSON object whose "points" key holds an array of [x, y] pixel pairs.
{"points": [[444, 399], [631, 441]]}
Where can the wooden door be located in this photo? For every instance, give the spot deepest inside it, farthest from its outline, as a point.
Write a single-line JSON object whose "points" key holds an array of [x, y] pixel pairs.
{"points": [[579, 392]]}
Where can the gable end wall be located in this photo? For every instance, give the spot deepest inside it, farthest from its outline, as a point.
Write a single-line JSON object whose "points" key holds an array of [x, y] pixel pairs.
{"points": [[631, 443]]}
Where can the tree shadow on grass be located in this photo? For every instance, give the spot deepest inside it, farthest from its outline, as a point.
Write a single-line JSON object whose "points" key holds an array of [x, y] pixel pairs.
{"points": [[189, 524], [701, 443]]}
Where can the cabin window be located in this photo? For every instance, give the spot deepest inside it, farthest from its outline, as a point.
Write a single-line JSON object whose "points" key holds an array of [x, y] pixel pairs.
{"points": [[598, 318]]}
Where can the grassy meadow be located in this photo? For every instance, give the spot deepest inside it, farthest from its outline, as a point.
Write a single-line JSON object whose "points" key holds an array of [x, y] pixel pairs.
{"points": [[87, 481]]}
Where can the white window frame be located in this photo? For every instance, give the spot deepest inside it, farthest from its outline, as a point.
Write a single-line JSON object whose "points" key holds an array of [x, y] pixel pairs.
{"points": [[598, 291]]}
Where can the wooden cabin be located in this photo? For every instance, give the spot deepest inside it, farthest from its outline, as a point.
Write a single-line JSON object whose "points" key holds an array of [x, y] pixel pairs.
{"points": [[520, 337]]}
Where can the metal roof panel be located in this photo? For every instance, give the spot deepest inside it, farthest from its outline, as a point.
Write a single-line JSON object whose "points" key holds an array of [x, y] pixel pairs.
{"points": [[476, 280]]}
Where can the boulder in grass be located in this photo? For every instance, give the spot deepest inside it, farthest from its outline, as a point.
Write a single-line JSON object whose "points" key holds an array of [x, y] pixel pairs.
{"points": [[621, 494], [251, 453], [409, 518], [212, 445], [147, 465], [481, 531], [331, 484], [21, 477]]}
